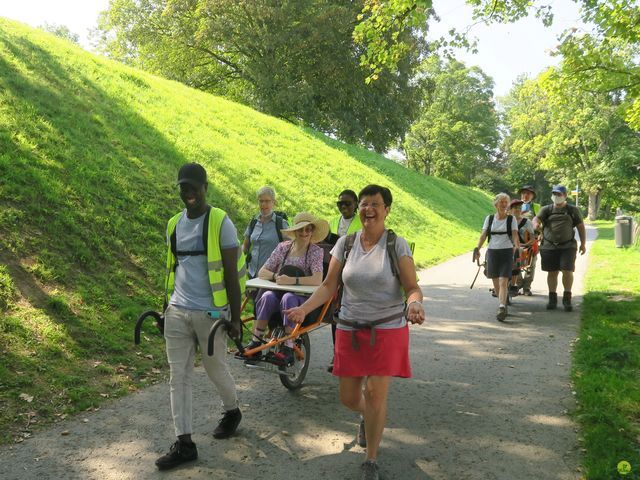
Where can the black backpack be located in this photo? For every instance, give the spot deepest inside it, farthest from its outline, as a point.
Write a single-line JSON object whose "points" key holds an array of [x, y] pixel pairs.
{"points": [[280, 218], [509, 227]]}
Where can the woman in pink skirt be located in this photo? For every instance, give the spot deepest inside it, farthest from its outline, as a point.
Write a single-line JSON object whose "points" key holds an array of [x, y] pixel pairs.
{"points": [[372, 342]]}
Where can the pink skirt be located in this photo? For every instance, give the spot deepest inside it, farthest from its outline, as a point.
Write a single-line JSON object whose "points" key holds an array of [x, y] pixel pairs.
{"points": [[389, 357]]}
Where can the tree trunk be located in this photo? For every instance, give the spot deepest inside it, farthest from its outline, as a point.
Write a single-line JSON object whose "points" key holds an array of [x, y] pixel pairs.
{"points": [[594, 204]]}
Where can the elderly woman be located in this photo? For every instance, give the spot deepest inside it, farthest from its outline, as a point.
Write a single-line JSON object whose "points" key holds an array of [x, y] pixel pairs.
{"points": [[300, 253], [502, 231], [372, 342], [263, 232]]}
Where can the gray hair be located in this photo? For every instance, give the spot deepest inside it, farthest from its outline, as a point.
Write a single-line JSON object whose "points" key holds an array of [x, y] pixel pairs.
{"points": [[499, 197], [267, 190]]}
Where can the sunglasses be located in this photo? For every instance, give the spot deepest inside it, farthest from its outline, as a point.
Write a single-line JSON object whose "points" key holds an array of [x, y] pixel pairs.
{"points": [[343, 203]]}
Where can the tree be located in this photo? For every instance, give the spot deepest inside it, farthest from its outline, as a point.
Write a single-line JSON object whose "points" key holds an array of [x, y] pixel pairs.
{"points": [[456, 133], [295, 60], [572, 135], [61, 31]]}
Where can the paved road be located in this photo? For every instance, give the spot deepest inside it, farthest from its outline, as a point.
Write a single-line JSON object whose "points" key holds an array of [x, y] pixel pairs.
{"points": [[488, 401]]}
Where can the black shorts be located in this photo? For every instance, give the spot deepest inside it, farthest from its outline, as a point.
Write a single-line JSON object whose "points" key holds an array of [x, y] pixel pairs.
{"points": [[555, 260], [499, 262]]}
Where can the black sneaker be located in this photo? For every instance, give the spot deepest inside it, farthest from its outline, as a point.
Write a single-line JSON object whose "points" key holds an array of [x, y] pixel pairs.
{"points": [[369, 470], [553, 301], [228, 424], [179, 453], [502, 313], [514, 291], [566, 301]]}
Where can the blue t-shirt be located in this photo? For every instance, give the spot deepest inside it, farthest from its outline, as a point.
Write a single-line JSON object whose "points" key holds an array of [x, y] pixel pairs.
{"points": [[192, 287]]}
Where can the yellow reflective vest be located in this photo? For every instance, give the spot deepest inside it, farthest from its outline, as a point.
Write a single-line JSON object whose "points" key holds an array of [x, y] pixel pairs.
{"points": [[354, 226], [213, 224]]}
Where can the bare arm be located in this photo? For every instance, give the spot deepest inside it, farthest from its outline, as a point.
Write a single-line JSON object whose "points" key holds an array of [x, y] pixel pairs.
{"points": [[322, 295], [481, 240], [582, 232], [415, 309], [232, 285]]}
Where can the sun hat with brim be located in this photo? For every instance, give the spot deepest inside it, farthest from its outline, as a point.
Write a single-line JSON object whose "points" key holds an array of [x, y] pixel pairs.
{"points": [[303, 219], [527, 188], [515, 203]]}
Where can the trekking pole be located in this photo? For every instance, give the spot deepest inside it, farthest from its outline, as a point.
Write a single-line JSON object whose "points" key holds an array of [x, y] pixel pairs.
{"points": [[150, 313], [480, 265]]}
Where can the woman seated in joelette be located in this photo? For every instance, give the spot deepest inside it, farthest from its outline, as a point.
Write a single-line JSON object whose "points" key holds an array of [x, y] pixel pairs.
{"points": [[301, 252]]}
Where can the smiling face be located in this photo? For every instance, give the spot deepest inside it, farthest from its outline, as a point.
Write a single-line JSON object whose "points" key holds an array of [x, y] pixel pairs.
{"points": [[347, 205], [194, 198], [303, 235], [373, 211], [502, 205]]}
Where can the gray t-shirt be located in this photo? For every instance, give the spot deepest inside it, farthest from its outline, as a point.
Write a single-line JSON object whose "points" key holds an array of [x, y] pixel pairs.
{"points": [[192, 287], [503, 240], [264, 240], [371, 292]]}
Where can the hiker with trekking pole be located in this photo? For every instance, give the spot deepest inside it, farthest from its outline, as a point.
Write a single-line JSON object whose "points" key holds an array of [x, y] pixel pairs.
{"points": [[502, 231]]}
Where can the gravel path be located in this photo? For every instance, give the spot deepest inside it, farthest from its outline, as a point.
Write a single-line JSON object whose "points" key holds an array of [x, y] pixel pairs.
{"points": [[487, 401]]}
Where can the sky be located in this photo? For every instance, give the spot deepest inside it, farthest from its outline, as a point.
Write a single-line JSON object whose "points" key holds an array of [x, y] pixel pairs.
{"points": [[505, 51]]}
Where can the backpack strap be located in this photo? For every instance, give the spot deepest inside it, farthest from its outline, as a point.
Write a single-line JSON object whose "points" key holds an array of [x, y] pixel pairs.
{"points": [[509, 227], [279, 223], [393, 255], [489, 227], [205, 235]]}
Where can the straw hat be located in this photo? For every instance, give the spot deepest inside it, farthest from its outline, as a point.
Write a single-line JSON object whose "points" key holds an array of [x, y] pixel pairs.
{"points": [[303, 219]]}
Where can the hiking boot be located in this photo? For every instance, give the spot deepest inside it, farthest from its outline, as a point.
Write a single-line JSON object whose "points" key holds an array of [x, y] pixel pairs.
{"points": [[527, 292], [514, 291], [285, 357], [361, 438], [179, 453], [228, 424], [502, 313], [566, 301], [253, 359], [553, 301], [369, 470]]}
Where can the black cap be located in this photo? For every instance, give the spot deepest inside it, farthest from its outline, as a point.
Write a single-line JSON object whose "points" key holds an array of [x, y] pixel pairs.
{"points": [[193, 174]]}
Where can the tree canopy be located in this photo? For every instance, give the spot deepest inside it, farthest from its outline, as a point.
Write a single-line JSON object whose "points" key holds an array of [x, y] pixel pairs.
{"points": [[295, 60], [456, 133]]}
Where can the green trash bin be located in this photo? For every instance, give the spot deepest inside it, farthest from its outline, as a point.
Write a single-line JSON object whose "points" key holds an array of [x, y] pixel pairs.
{"points": [[623, 231]]}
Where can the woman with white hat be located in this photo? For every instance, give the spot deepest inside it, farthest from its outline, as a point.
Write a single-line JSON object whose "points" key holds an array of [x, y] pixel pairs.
{"points": [[300, 254]]}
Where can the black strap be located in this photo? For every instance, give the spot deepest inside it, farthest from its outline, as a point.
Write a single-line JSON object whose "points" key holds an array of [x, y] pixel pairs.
{"points": [[509, 226], [205, 237], [279, 225]]}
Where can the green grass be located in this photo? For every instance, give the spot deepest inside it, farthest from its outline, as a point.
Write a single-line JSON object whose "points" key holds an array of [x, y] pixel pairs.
{"points": [[606, 368], [89, 151]]}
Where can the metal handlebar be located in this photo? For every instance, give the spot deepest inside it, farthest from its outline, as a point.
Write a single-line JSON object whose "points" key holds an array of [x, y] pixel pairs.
{"points": [[150, 313], [228, 327]]}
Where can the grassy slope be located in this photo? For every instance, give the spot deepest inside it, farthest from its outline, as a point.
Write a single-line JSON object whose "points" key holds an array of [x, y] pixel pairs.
{"points": [[89, 151], [607, 359]]}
